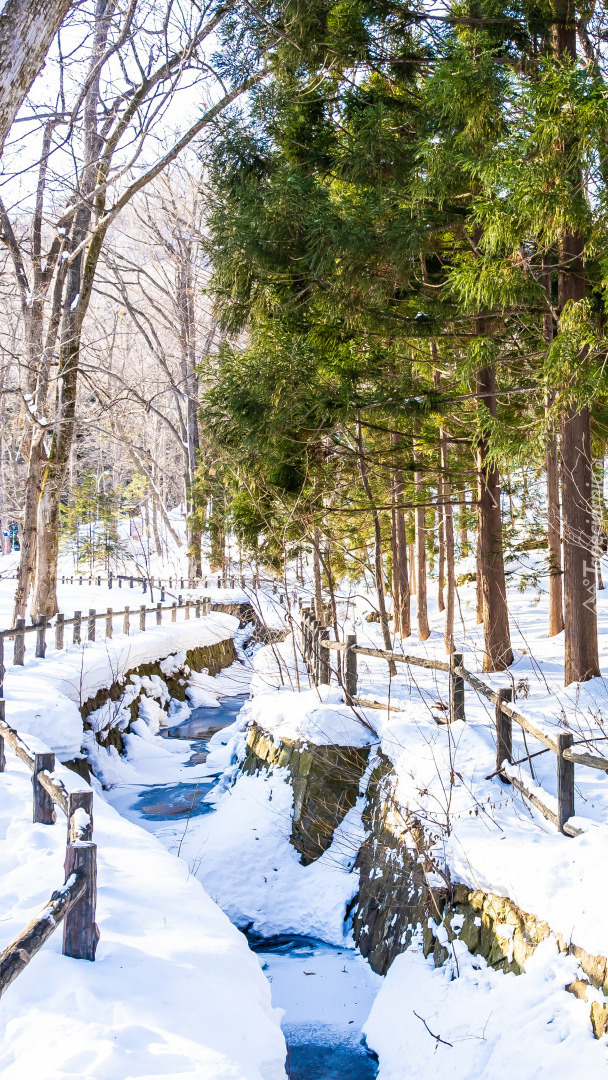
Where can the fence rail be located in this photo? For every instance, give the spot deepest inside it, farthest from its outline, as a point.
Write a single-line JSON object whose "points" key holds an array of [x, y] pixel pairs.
{"points": [[152, 581], [74, 903], [316, 648], [18, 633]]}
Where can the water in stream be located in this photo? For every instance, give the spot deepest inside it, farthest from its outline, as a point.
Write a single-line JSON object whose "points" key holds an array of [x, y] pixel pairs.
{"points": [[325, 992]]}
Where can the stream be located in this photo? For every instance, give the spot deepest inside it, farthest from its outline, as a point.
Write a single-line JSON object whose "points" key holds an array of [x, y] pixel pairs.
{"points": [[326, 993]]}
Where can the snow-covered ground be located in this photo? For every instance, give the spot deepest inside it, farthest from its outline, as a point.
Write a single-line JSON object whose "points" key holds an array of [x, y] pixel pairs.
{"points": [[174, 990], [157, 914]]}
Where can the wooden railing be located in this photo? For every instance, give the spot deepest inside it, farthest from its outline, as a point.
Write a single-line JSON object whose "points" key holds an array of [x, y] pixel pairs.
{"points": [[316, 650], [86, 625], [74, 903]]}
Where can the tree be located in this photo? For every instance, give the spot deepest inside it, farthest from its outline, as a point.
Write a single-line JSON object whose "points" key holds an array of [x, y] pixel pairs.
{"points": [[27, 28]]}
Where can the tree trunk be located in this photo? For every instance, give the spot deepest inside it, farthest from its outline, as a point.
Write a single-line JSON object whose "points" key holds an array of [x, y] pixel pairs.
{"points": [[378, 563], [581, 650], [27, 28], [316, 574], [448, 516], [498, 654], [441, 546], [421, 606], [581, 659], [401, 584], [478, 575], [554, 539]]}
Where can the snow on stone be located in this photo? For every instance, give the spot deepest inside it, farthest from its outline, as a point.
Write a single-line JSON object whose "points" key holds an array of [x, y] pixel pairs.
{"points": [[469, 1022], [43, 696]]}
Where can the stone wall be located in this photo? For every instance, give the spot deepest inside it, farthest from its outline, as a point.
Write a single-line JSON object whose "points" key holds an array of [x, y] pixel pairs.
{"points": [[394, 899], [395, 863], [214, 657], [325, 784]]}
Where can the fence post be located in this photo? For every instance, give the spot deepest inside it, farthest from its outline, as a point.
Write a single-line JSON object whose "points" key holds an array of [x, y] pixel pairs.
{"points": [[315, 631], [110, 578], [324, 668], [174, 611], [76, 628], [98, 579], [91, 625], [80, 800], [197, 609], [19, 650], [109, 622], [41, 637], [159, 614], [187, 605], [350, 670], [565, 780], [504, 730], [305, 635], [456, 689], [119, 582], [80, 581], [170, 583], [162, 593], [219, 582], [126, 620], [80, 933], [44, 810], [142, 617], [59, 630], [144, 585], [130, 583]]}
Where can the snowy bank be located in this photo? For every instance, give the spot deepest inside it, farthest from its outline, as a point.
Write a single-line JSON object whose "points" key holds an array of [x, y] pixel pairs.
{"points": [[44, 696], [174, 990]]}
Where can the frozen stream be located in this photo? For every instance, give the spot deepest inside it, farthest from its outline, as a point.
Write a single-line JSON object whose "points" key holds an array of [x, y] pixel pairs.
{"points": [[326, 992]]}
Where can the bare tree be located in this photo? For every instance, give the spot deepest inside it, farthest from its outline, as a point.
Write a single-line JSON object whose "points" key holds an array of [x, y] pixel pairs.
{"points": [[27, 28]]}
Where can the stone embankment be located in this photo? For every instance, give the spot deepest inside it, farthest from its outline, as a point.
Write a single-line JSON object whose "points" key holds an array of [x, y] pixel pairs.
{"points": [[169, 676], [396, 864]]}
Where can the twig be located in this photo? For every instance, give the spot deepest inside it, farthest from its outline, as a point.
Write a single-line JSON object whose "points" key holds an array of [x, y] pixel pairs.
{"points": [[437, 1038]]}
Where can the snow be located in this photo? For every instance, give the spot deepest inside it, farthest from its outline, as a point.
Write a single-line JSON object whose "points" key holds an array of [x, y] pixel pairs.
{"points": [[44, 696], [492, 1026], [242, 855], [174, 990]]}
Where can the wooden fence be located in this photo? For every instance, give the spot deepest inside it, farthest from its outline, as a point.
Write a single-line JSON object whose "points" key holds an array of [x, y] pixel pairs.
{"points": [[74, 903], [86, 626], [316, 650]]}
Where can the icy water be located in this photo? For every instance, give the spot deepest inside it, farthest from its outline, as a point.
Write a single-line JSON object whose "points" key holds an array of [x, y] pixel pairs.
{"points": [[326, 993], [162, 802]]}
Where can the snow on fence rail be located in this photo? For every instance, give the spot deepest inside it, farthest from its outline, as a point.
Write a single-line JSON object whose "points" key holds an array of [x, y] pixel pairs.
{"points": [[75, 901], [19, 632], [316, 647]]}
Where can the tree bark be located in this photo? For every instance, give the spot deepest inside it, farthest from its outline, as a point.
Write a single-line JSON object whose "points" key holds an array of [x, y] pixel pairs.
{"points": [[316, 574], [421, 604], [378, 562], [554, 539], [27, 28], [449, 546], [498, 654], [401, 583], [581, 659]]}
